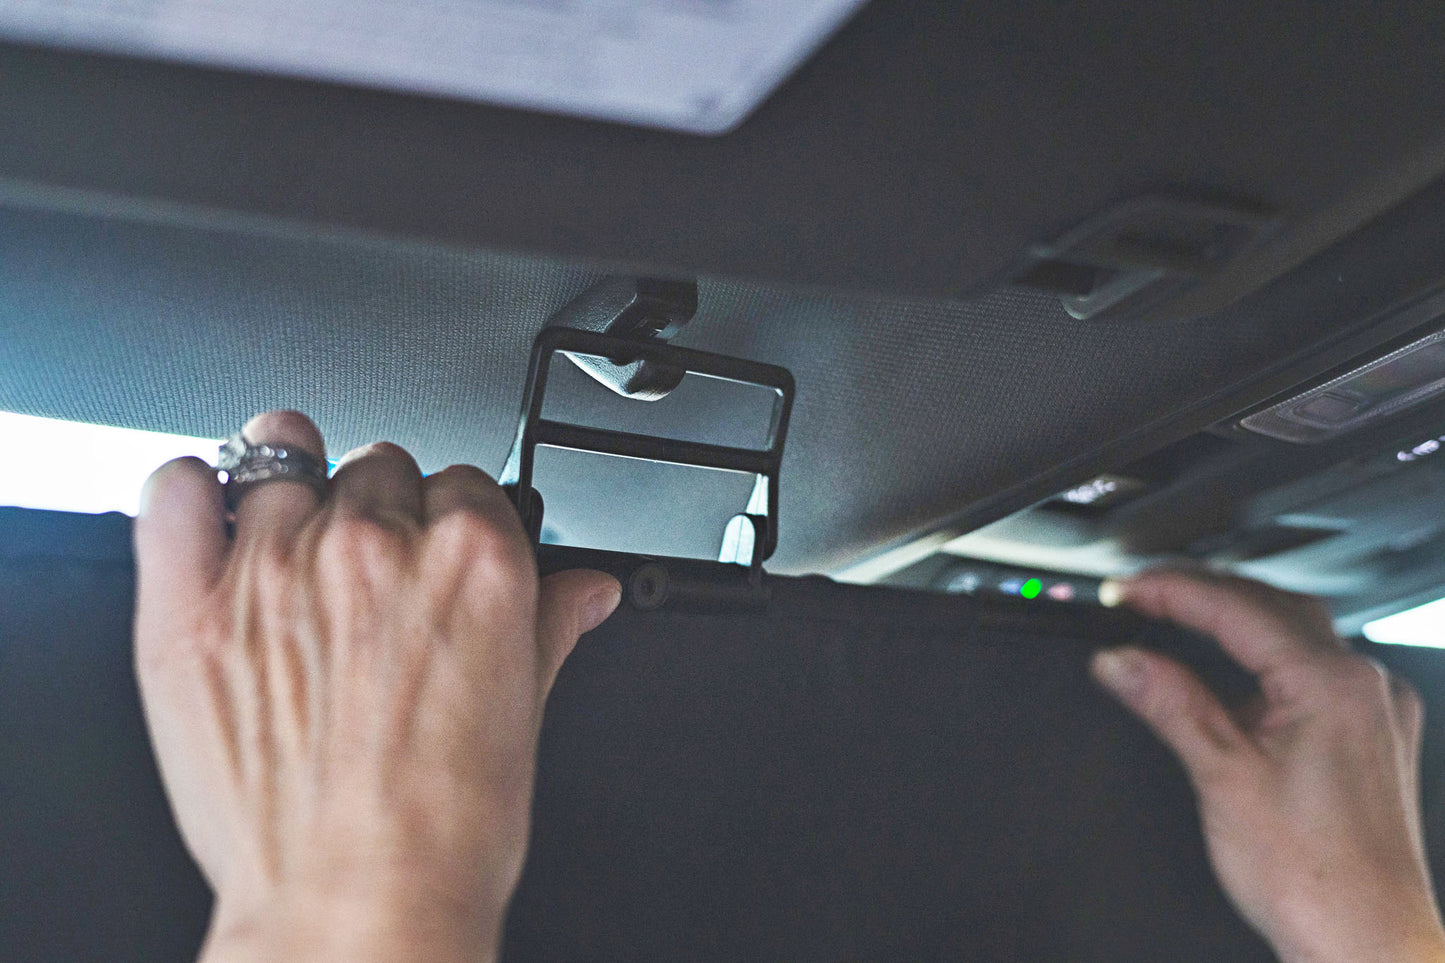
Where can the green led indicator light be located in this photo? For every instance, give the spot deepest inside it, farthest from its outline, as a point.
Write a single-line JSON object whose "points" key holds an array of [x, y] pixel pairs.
{"points": [[1031, 589]]}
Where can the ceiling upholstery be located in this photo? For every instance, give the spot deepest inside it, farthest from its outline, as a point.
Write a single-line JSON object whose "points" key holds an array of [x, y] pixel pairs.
{"points": [[906, 410], [226, 249]]}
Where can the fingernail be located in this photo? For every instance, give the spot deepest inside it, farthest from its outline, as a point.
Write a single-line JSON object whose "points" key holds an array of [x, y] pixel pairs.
{"points": [[1122, 671], [1111, 593], [599, 606]]}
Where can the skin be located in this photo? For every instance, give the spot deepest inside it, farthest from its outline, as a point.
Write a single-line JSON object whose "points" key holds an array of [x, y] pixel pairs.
{"points": [[345, 696], [345, 699], [1310, 797]]}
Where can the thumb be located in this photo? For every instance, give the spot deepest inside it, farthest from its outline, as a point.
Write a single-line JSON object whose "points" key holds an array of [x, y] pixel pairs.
{"points": [[1178, 707], [570, 604]]}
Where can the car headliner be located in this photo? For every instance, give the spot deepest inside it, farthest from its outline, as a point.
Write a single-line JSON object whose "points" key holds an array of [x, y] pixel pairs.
{"points": [[183, 246]]}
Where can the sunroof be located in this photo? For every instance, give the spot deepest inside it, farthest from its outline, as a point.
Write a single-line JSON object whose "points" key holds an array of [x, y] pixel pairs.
{"points": [[70, 466], [691, 65], [1422, 625]]}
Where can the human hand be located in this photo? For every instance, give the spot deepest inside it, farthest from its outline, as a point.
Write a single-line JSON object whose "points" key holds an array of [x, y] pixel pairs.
{"points": [[1309, 797], [345, 698]]}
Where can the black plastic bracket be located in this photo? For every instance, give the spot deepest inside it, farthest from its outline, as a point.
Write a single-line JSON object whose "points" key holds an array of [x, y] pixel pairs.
{"points": [[1136, 256], [751, 536], [638, 309], [652, 583]]}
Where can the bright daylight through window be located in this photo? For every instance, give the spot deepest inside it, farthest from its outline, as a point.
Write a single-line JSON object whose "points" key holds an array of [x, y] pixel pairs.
{"points": [[1424, 625], [72, 467], [57, 466], [699, 66]]}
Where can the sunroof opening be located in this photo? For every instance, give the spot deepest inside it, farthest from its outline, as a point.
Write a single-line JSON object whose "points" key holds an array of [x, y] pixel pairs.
{"points": [[70, 466], [699, 66], [1422, 625]]}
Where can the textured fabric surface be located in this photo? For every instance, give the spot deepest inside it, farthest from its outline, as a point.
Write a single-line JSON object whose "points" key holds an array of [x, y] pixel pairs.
{"points": [[852, 774], [93, 868], [907, 411]]}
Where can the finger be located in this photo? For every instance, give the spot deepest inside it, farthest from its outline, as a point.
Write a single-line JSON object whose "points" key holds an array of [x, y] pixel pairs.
{"points": [[571, 605], [1172, 702], [1409, 713], [1409, 707], [180, 541], [379, 481], [1263, 628], [465, 488], [275, 511], [1409, 710]]}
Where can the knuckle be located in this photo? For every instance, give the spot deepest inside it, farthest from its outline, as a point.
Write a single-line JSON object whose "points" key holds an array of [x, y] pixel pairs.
{"points": [[386, 449], [1156, 698], [494, 550], [505, 554], [1173, 704], [1163, 702], [456, 532], [1356, 683], [358, 541], [377, 450], [469, 475]]}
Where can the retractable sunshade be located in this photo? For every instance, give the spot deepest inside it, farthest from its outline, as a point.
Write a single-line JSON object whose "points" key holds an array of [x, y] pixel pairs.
{"points": [[843, 773]]}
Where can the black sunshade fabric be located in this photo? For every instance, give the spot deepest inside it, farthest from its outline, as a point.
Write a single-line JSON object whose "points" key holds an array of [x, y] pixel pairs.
{"points": [[854, 773]]}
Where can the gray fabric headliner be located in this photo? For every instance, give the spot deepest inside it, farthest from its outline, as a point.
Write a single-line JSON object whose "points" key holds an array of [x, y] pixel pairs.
{"points": [[907, 411]]}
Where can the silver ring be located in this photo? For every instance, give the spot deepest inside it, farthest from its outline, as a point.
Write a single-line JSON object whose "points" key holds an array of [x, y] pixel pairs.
{"points": [[242, 467]]}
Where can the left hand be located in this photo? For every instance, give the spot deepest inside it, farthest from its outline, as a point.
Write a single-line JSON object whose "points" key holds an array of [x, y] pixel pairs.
{"points": [[345, 698]]}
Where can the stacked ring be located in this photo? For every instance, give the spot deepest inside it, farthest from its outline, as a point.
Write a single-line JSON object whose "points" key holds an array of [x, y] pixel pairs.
{"points": [[242, 467]]}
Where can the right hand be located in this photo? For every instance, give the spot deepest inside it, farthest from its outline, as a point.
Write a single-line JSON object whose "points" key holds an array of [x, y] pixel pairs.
{"points": [[1310, 798]]}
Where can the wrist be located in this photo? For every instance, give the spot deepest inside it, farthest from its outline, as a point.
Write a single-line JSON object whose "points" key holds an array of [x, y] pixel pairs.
{"points": [[397, 928], [1420, 940]]}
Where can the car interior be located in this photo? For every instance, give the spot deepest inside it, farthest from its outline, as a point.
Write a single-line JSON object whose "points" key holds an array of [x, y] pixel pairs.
{"points": [[910, 323]]}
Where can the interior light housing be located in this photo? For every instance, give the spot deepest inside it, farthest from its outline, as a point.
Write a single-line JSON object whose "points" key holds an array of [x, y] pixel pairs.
{"points": [[1097, 495], [1371, 393], [1422, 625]]}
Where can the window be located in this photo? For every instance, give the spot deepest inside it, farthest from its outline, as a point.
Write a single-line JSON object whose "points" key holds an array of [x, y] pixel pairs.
{"points": [[1422, 625], [69, 466]]}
